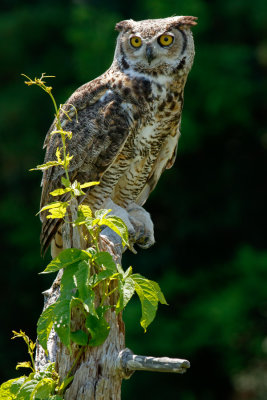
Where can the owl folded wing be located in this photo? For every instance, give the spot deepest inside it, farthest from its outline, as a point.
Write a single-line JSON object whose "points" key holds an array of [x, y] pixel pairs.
{"points": [[99, 130]]}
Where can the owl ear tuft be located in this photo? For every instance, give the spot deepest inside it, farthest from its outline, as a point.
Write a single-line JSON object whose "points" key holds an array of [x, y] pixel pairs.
{"points": [[124, 25], [187, 21]]}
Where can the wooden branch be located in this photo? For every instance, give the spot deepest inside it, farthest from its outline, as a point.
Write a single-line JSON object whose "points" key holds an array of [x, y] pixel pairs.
{"points": [[99, 371], [131, 362]]}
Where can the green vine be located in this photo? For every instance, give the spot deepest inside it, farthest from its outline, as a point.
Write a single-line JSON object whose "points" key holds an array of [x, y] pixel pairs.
{"points": [[83, 271]]}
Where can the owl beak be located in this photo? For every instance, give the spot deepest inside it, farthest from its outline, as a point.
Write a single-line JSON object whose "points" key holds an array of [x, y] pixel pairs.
{"points": [[149, 54]]}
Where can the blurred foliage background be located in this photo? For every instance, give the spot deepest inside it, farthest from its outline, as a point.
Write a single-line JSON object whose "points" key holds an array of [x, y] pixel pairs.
{"points": [[209, 210]]}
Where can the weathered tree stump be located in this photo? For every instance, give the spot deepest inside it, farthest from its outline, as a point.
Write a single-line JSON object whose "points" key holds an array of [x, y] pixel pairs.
{"points": [[99, 371]]}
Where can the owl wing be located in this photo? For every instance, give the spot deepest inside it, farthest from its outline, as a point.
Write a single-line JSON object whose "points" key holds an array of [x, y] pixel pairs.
{"points": [[99, 127]]}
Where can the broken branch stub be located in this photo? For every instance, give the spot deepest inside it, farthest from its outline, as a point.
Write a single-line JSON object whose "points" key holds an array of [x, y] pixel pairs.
{"points": [[131, 362]]}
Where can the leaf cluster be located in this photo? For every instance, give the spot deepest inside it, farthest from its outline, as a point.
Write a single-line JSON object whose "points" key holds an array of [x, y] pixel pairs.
{"points": [[40, 385], [83, 271]]}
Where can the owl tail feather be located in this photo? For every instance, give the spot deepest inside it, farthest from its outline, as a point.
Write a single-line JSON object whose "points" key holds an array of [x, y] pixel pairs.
{"points": [[49, 229]]}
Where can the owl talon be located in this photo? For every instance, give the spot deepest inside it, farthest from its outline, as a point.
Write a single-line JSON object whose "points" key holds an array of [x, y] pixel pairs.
{"points": [[138, 222], [143, 225]]}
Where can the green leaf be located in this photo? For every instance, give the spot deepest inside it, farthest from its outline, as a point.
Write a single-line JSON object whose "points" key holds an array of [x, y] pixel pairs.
{"points": [[75, 302], [98, 328], [85, 292], [118, 226], [26, 390], [57, 397], [89, 301], [62, 315], [159, 293], [65, 258], [16, 384], [68, 283], [43, 389], [65, 182], [60, 191], [149, 295], [62, 318], [100, 214], [44, 325], [105, 259], [82, 274], [88, 184], [9, 389], [126, 290], [79, 337], [101, 276]]}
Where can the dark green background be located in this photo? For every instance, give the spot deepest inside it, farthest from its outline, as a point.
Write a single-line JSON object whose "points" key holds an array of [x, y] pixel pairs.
{"points": [[209, 210]]}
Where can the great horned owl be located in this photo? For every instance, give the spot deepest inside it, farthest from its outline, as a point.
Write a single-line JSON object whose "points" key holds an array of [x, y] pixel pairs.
{"points": [[127, 127]]}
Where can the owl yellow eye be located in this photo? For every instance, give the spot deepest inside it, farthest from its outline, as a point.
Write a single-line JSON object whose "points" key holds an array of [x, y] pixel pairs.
{"points": [[165, 40], [136, 41]]}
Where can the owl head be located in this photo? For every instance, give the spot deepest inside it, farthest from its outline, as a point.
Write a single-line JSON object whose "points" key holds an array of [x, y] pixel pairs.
{"points": [[159, 46]]}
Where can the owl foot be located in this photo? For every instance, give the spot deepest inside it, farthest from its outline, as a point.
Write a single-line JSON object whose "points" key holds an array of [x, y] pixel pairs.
{"points": [[143, 226], [123, 214], [138, 222]]}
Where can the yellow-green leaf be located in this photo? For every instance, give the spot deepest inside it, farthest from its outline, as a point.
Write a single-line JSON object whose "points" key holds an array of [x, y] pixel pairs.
{"points": [[86, 210], [47, 165], [59, 192], [58, 155], [54, 204], [88, 184], [57, 209], [24, 364], [118, 226], [9, 389]]}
